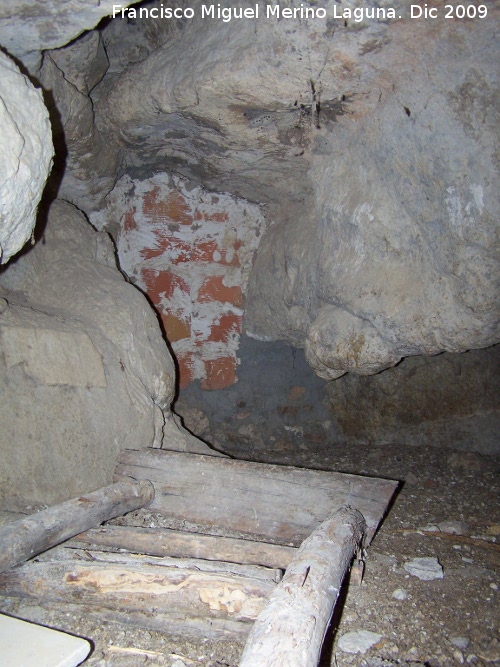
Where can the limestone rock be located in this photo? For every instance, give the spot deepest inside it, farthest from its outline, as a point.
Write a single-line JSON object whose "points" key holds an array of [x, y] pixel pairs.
{"points": [[401, 255], [449, 400], [84, 62], [54, 357], [358, 641], [90, 166], [84, 371], [221, 103], [26, 149], [373, 145], [28, 27], [339, 342], [426, 569]]}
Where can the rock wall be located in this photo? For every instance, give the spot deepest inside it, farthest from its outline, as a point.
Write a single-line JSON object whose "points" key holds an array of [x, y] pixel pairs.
{"points": [[191, 252], [398, 255], [85, 165], [27, 27], [84, 372], [451, 400], [373, 145]]}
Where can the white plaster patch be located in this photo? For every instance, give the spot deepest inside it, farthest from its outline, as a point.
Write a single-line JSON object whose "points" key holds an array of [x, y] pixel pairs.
{"points": [[207, 240]]}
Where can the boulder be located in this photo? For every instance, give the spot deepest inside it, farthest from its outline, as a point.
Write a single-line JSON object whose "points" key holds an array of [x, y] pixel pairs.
{"points": [[84, 371], [26, 149]]}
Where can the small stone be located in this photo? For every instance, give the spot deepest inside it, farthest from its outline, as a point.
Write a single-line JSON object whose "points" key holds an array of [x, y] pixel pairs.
{"points": [[411, 479], [494, 586], [392, 648], [4, 304], [400, 594], [426, 569], [413, 654], [459, 656], [460, 642], [358, 641], [430, 528], [382, 560], [453, 527]]}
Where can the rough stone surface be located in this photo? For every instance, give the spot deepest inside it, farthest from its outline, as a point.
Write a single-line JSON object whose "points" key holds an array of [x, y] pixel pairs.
{"points": [[426, 568], [274, 411], [85, 164], [450, 400], [358, 641], [402, 254], [374, 149], [223, 103], [28, 26], [84, 372], [26, 150]]}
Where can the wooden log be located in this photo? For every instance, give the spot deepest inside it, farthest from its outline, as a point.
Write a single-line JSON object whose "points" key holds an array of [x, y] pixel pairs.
{"points": [[27, 537], [290, 631], [205, 599], [65, 552], [166, 542], [271, 503]]}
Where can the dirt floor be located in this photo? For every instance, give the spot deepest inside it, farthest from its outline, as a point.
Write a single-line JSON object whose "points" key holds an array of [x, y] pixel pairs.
{"points": [[447, 509]]}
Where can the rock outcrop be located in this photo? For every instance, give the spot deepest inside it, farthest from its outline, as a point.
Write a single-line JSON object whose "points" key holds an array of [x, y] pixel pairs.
{"points": [[26, 150], [450, 400], [398, 256], [371, 140], [372, 144], [84, 370], [87, 166], [27, 27]]}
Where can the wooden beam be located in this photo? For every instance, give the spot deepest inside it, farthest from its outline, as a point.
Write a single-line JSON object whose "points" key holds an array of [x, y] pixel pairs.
{"points": [[199, 598], [290, 631], [166, 542], [271, 503], [28, 537]]}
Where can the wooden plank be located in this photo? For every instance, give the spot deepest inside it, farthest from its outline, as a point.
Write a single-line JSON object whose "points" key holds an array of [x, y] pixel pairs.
{"points": [[166, 542], [33, 534], [203, 599], [289, 632], [65, 552], [268, 502]]}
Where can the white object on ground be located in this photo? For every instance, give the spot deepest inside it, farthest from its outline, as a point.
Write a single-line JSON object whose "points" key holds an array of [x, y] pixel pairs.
{"points": [[24, 644], [425, 569], [358, 641]]}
